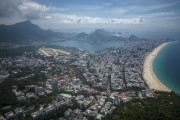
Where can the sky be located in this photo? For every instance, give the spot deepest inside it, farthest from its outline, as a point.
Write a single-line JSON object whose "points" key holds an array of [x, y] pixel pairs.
{"points": [[146, 18]]}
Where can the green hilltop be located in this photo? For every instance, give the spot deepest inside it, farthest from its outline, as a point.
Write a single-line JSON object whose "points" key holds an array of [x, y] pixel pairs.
{"points": [[165, 107]]}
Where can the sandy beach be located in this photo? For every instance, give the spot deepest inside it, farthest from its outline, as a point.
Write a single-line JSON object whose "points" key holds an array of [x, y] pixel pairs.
{"points": [[149, 76]]}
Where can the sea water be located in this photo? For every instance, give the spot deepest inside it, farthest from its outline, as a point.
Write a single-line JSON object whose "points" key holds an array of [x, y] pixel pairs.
{"points": [[166, 66]]}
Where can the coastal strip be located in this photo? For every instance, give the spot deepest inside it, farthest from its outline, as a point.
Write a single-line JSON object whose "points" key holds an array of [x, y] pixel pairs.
{"points": [[148, 74]]}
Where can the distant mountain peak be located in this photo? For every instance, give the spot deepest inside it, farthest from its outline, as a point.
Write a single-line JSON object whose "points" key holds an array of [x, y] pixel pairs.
{"points": [[100, 30], [82, 35], [133, 37], [26, 31], [25, 22]]}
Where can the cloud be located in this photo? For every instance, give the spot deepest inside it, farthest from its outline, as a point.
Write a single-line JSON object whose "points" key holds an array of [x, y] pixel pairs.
{"points": [[8, 8], [74, 19], [141, 8], [32, 10], [119, 11], [22, 8], [48, 17], [151, 7], [161, 14]]}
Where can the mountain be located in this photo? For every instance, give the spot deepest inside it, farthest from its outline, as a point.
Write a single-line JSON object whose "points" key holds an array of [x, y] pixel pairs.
{"points": [[98, 36], [81, 35], [133, 38], [101, 35], [26, 31]]}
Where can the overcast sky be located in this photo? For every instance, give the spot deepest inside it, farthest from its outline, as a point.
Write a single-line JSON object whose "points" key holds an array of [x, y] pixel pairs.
{"points": [[151, 18]]}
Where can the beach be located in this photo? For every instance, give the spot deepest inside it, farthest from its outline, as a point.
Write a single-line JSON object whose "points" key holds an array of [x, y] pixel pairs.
{"points": [[148, 74]]}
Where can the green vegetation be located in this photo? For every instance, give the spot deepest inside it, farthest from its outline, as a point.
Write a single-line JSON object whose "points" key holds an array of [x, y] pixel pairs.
{"points": [[8, 98], [12, 52], [165, 107]]}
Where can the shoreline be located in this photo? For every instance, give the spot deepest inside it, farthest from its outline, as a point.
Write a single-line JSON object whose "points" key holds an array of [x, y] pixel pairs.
{"points": [[148, 74]]}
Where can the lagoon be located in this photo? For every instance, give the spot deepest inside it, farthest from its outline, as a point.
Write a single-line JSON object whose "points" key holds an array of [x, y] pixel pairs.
{"points": [[90, 47]]}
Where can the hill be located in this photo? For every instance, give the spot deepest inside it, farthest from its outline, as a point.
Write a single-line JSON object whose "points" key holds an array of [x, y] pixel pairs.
{"points": [[25, 32], [165, 107], [100, 35]]}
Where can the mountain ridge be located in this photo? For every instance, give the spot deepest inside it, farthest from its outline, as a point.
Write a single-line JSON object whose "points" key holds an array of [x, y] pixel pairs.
{"points": [[26, 31]]}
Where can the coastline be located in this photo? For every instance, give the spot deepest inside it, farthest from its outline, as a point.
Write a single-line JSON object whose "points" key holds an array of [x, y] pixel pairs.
{"points": [[148, 74]]}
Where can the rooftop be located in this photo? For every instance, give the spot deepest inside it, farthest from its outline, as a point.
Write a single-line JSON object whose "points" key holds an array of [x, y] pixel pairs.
{"points": [[66, 95]]}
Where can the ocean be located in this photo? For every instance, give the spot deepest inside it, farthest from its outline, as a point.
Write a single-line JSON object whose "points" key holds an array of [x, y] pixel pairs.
{"points": [[166, 66]]}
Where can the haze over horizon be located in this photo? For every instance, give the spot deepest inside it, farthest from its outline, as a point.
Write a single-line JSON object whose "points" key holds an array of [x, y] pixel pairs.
{"points": [[151, 19]]}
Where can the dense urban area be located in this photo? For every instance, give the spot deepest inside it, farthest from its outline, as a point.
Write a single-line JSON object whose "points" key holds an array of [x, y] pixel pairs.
{"points": [[54, 82]]}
